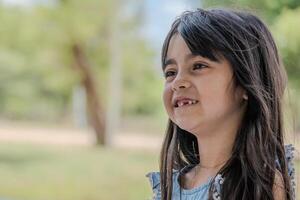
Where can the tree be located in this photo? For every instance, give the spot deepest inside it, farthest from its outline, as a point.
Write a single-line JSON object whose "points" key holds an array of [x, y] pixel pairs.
{"points": [[52, 48]]}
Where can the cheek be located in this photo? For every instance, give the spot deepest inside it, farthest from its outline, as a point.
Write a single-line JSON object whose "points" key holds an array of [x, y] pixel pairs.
{"points": [[215, 97], [167, 99]]}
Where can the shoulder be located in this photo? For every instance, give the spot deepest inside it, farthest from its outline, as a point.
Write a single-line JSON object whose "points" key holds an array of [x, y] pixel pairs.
{"points": [[278, 187], [289, 159], [154, 179]]}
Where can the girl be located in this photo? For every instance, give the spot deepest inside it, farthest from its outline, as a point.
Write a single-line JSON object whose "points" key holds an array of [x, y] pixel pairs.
{"points": [[224, 85]]}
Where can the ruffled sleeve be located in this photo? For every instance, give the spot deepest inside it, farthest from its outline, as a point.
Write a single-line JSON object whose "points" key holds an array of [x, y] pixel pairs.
{"points": [[154, 179], [289, 153], [289, 157]]}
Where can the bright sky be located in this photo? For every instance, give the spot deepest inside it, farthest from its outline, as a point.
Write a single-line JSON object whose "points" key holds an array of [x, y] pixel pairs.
{"points": [[160, 15]]}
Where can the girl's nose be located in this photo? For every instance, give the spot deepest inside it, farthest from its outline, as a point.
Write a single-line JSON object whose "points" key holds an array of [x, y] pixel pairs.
{"points": [[180, 83]]}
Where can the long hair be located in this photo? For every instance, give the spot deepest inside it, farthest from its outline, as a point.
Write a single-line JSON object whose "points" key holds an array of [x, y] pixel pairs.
{"points": [[245, 41]]}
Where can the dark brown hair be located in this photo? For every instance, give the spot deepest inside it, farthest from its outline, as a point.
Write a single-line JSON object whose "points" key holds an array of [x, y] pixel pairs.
{"points": [[245, 41]]}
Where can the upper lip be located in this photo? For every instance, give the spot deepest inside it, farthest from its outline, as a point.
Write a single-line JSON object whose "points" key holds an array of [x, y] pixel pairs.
{"points": [[179, 98]]}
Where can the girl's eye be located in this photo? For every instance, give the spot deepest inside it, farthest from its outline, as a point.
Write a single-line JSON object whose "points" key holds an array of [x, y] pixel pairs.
{"points": [[199, 66], [169, 73]]}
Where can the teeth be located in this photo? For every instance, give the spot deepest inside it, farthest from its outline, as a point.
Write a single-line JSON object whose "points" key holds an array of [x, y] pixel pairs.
{"points": [[189, 103]]}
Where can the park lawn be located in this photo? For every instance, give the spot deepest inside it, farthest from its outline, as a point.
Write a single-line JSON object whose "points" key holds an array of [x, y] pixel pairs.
{"points": [[35, 172]]}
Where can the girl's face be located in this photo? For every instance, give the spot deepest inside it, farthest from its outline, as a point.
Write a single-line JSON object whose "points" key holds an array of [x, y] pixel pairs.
{"points": [[208, 97]]}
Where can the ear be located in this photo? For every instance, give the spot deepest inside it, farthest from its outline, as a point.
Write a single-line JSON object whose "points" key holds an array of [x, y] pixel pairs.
{"points": [[241, 93]]}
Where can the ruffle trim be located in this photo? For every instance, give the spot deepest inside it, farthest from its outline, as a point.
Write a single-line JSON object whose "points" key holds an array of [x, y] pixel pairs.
{"points": [[289, 158], [154, 179]]}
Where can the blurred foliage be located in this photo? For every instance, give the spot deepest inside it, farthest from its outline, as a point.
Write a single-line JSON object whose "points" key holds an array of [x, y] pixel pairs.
{"points": [[31, 80], [37, 76], [288, 39], [268, 9]]}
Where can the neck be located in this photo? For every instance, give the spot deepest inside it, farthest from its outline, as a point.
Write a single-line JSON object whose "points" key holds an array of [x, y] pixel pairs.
{"points": [[214, 152], [215, 148]]}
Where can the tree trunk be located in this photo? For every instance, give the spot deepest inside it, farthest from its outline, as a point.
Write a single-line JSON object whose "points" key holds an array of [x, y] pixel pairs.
{"points": [[96, 113]]}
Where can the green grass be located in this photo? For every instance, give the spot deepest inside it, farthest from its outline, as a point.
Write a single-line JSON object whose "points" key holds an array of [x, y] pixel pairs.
{"points": [[31, 172], [297, 168]]}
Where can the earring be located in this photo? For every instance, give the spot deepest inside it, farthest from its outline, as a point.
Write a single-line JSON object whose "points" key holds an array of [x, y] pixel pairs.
{"points": [[245, 97]]}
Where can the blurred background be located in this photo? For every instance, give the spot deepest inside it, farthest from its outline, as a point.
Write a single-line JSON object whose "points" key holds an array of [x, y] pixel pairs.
{"points": [[81, 113]]}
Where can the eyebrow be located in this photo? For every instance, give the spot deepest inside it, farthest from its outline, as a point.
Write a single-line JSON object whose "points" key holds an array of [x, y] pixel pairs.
{"points": [[173, 61]]}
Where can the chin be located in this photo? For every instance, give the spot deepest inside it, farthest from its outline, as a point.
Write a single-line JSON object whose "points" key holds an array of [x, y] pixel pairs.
{"points": [[188, 126]]}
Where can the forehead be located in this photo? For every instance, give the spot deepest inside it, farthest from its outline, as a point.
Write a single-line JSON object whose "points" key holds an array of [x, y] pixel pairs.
{"points": [[178, 51], [177, 47]]}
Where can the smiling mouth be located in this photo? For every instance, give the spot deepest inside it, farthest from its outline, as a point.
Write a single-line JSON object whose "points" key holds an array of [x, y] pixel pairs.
{"points": [[186, 103]]}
